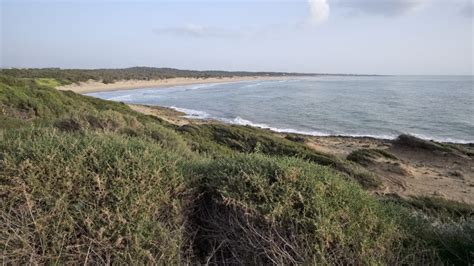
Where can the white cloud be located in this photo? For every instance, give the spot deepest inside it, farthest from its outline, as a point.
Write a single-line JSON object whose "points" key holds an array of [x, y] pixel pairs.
{"points": [[198, 31], [195, 31], [319, 11], [468, 9], [382, 7]]}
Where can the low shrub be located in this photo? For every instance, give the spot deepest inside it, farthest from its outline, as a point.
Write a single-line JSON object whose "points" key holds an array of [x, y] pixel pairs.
{"points": [[223, 139], [77, 198], [286, 211], [366, 156], [409, 141], [90, 181]]}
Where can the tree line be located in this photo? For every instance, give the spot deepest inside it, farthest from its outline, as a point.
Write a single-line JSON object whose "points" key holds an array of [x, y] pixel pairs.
{"points": [[135, 73]]}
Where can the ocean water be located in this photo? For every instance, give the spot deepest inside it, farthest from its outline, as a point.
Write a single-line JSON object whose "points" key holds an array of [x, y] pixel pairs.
{"points": [[431, 107]]}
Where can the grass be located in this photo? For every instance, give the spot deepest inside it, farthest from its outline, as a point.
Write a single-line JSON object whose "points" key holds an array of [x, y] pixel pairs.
{"points": [[446, 226], [447, 148], [90, 181], [71, 198], [225, 139], [24, 99], [445, 210], [367, 156], [286, 211], [49, 82]]}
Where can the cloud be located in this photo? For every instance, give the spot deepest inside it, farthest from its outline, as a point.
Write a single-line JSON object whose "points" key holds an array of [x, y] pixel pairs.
{"points": [[382, 7], [195, 31], [319, 11], [467, 9]]}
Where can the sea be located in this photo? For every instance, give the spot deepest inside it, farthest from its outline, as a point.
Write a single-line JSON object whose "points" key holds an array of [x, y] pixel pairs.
{"points": [[438, 108]]}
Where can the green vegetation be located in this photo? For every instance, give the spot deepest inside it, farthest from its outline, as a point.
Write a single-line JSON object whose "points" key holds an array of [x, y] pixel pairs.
{"points": [[446, 225], [48, 82], [95, 196], [411, 142], [437, 207], [367, 156], [68, 76], [226, 139], [90, 181], [283, 210]]}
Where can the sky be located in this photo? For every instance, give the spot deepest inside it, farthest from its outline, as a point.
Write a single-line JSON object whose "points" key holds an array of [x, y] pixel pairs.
{"points": [[405, 37]]}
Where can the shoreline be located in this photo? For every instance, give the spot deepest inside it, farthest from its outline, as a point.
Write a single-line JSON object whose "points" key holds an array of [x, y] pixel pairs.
{"points": [[97, 86], [190, 118], [92, 86], [417, 168], [198, 115]]}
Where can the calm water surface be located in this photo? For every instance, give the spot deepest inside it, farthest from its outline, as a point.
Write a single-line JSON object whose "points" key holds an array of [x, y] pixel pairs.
{"points": [[430, 107]]}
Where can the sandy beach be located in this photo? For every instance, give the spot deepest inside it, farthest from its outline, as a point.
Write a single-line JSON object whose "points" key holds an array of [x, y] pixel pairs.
{"points": [[96, 86]]}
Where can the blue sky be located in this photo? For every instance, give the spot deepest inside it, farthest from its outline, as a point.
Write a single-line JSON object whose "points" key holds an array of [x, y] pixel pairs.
{"points": [[330, 36]]}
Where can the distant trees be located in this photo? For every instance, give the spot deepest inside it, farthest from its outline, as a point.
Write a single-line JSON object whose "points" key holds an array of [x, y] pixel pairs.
{"points": [[67, 76]]}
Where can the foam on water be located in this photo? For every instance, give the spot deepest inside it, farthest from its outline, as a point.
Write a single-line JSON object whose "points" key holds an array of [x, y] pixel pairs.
{"points": [[190, 113], [243, 122], [436, 108]]}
